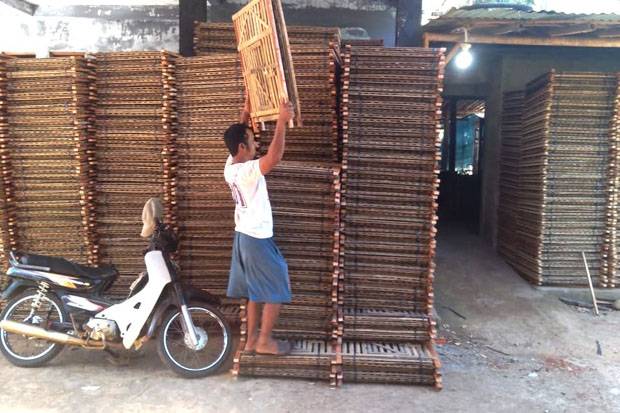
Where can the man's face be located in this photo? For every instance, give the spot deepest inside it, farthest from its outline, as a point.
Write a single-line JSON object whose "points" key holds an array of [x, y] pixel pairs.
{"points": [[251, 145]]}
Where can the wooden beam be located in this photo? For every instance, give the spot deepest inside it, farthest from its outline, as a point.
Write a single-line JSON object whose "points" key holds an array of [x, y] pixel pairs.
{"points": [[497, 30], [571, 30], [21, 5], [521, 41], [608, 33]]}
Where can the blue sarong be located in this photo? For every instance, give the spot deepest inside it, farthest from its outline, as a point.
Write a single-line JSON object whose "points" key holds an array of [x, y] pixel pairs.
{"points": [[258, 271]]}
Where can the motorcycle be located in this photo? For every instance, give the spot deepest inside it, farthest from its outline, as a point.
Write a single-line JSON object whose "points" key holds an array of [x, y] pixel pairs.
{"points": [[53, 302]]}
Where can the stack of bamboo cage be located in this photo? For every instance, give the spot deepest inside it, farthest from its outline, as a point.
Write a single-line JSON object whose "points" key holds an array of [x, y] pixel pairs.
{"points": [[389, 190], [305, 202], [304, 191], [49, 111], [509, 195], [210, 98], [212, 38], [611, 260], [7, 214], [566, 182], [135, 153], [316, 68]]}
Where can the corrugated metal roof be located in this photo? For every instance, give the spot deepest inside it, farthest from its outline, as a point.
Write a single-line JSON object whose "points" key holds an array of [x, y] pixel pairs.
{"points": [[512, 14]]}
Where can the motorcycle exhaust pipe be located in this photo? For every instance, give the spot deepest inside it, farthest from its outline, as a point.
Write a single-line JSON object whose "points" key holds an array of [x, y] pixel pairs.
{"points": [[53, 336]]}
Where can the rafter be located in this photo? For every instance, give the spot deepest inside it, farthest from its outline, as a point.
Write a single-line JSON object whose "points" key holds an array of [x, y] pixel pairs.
{"points": [[21, 5]]}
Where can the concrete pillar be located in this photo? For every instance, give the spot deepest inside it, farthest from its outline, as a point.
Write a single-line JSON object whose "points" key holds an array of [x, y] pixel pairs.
{"points": [[190, 11], [409, 23]]}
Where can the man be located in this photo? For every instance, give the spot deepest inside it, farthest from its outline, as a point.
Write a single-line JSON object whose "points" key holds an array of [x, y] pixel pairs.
{"points": [[257, 271]]}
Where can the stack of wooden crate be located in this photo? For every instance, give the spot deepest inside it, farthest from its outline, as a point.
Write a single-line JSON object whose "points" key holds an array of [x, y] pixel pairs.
{"points": [[391, 112], [566, 179], [47, 143], [210, 97], [135, 153]]}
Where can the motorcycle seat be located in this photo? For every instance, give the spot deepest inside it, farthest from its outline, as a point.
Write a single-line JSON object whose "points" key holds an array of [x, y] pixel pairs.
{"points": [[62, 266]]}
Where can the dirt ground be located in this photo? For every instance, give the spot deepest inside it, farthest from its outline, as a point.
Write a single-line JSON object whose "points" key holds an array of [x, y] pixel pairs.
{"points": [[505, 347]]}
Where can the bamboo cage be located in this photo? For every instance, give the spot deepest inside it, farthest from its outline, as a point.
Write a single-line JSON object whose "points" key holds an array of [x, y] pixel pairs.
{"points": [[266, 59]]}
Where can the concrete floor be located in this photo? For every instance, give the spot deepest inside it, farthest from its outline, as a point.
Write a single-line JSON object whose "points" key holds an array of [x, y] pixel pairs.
{"points": [[517, 349]]}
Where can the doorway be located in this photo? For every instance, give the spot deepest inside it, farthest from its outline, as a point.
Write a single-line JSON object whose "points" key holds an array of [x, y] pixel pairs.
{"points": [[462, 151]]}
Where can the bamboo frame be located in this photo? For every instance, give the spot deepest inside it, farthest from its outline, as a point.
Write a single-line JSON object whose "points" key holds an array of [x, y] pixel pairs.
{"points": [[266, 59]]}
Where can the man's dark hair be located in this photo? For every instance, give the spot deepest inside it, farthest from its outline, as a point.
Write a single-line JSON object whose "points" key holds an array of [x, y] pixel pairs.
{"points": [[234, 135]]}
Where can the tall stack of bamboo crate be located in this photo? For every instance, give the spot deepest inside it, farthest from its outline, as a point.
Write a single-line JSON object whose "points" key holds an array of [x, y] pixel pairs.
{"points": [[7, 220], [391, 109], [47, 145], [135, 151], [567, 179], [210, 97], [304, 190], [510, 196]]}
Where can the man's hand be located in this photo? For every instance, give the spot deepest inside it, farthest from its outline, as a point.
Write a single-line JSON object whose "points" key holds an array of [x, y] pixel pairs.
{"points": [[287, 112]]}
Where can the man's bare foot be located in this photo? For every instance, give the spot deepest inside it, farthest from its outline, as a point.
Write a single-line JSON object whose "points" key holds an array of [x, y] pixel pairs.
{"points": [[273, 347], [250, 344]]}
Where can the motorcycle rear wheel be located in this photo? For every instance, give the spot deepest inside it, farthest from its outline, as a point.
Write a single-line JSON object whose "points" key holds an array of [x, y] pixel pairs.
{"points": [[25, 351], [214, 333]]}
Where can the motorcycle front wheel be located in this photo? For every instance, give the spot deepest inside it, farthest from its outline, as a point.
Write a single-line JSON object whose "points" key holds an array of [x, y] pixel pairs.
{"points": [[214, 341]]}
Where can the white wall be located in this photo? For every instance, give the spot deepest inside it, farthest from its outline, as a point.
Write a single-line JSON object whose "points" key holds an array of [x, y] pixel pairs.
{"points": [[20, 32]]}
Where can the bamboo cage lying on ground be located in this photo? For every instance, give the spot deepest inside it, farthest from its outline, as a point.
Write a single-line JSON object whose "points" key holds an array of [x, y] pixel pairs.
{"points": [[565, 180], [136, 133], [47, 146], [390, 186]]}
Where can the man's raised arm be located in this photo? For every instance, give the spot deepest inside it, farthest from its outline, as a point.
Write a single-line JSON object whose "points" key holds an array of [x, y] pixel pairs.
{"points": [[276, 148]]}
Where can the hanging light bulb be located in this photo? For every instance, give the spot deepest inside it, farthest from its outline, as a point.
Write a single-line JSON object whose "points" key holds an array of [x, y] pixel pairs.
{"points": [[464, 59]]}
